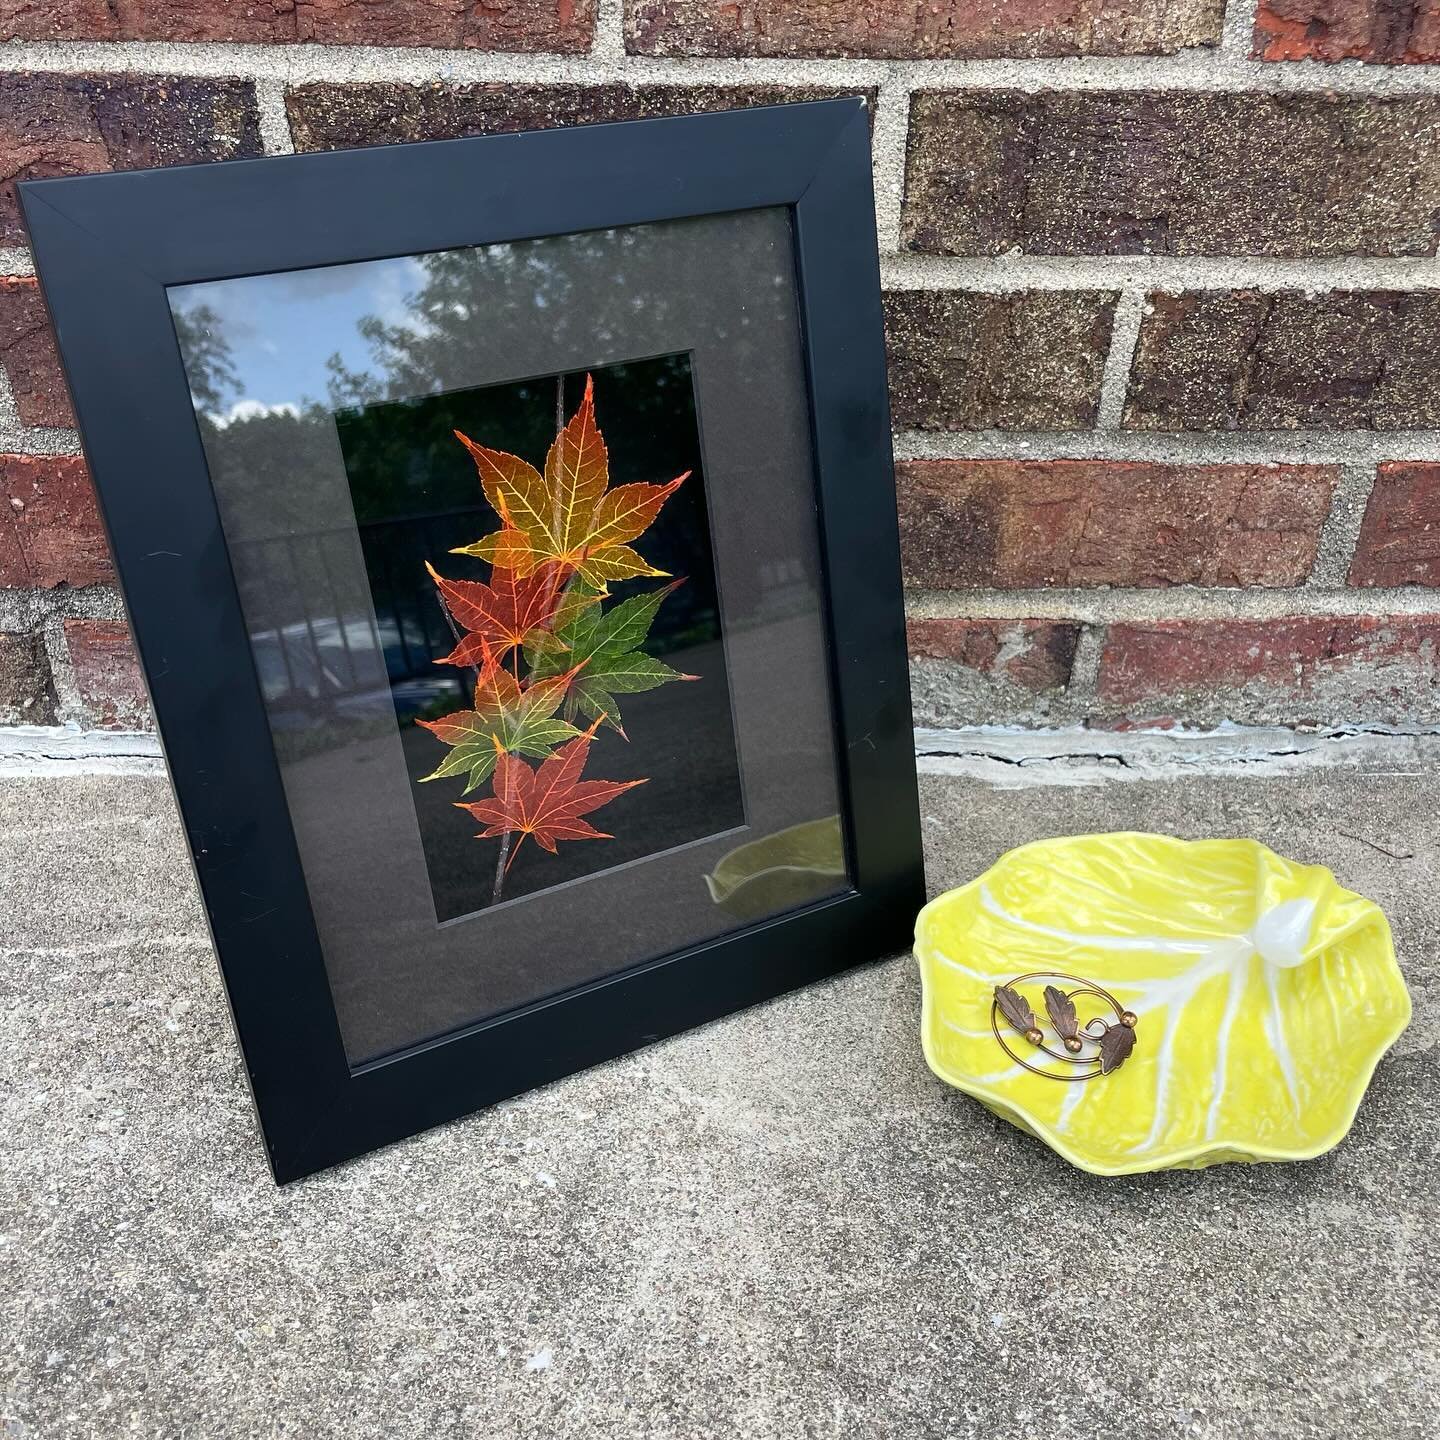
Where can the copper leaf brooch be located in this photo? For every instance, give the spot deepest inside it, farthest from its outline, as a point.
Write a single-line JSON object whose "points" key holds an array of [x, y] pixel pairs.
{"points": [[1095, 1048]]}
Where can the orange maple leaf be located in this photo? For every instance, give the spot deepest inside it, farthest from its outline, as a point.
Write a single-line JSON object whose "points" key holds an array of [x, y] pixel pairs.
{"points": [[507, 717], [547, 803], [568, 516]]}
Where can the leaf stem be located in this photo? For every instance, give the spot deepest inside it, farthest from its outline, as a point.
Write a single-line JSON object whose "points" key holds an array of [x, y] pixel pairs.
{"points": [[500, 860], [457, 635]]}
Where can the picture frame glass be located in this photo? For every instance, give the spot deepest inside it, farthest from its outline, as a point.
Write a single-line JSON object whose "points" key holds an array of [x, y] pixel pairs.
{"points": [[526, 541]]}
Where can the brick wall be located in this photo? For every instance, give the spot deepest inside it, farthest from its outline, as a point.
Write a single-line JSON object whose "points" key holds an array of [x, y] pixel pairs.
{"points": [[1162, 298]]}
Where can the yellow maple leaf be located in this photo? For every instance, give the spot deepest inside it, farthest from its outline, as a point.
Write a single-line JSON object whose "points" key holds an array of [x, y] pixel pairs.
{"points": [[568, 516]]}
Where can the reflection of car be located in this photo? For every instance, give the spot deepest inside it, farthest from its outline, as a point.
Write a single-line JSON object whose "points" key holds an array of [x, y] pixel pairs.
{"points": [[419, 697], [311, 666]]}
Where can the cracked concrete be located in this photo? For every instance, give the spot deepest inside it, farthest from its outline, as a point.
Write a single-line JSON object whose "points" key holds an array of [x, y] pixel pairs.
{"points": [[780, 1225]]}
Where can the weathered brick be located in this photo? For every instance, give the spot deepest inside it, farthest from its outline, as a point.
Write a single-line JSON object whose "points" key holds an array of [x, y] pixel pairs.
{"points": [[74, 124], [1242, 360], [1017, 524], [107, 674], [50, 532], [1031, 360], [1303, 669], [955, 29], [1131, 172], [1386, 31], [976, 672], [27, 354], [26, 695], [1034, 654], [563, 26], [1400, 537], [328, 116]]}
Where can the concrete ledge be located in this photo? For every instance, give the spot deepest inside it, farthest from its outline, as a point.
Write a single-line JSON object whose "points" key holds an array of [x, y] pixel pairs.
{"points": [[779, 1226]]}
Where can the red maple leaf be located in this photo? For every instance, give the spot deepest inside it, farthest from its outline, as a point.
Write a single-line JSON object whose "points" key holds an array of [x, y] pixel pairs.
{"points": [[548, 802], [500, 615]]}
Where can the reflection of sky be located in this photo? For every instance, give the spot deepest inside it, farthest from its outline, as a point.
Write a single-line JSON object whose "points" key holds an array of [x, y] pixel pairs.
{"points": [[282, 328]]}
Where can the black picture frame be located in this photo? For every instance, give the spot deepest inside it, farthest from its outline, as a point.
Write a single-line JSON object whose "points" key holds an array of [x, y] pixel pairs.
{"points": [[107, 246]]}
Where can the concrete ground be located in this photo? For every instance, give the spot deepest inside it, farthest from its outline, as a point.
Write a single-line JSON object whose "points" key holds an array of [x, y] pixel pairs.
{"points": [[781, 1225]]}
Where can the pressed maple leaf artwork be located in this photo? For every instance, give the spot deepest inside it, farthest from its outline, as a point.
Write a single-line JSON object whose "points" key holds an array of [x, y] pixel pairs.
{"points": [[545, 640]]}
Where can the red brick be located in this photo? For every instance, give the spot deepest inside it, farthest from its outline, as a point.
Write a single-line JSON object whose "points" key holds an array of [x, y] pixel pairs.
{"points": [[26, 695], [50, 532], [1400, 537], [107, 674], [74, 124], [516, 25], [956, 29], [1036, 655], [329, 116], [1302, 669], [1287, 360], [1391, 32], [1136, 172], [1017, 524], [27, 355], [1027, 360]]}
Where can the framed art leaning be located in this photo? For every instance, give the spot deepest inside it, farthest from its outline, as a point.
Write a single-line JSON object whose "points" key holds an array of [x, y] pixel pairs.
{"points": [[507, 529]]}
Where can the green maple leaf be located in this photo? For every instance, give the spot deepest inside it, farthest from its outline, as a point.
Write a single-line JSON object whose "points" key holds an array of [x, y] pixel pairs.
{"points": [[506, 720], [602, 651]]}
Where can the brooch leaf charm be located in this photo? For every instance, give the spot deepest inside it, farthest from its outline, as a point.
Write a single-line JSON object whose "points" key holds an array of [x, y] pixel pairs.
{"points": [[1098, 1047]]}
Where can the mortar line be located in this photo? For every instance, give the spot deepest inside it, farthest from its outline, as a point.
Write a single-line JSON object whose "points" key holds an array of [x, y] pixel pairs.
{"points": [[1341, 533], [18, 439], [1182, 602], [26, 610], [1115, 382], [29, 610], [9, 413], [1237, 30], [1010, 755], [1000, 274], [607, 44], [1198, 68], [1165, 447], [1021, 757], [889, 141], [1084, 683], [1162, 447], [68, 705], [275, 136]]}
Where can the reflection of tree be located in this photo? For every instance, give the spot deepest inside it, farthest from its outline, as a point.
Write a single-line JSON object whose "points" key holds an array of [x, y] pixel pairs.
{"points": [[580, 288], [209, 366], [473, 321], [263, 468]]}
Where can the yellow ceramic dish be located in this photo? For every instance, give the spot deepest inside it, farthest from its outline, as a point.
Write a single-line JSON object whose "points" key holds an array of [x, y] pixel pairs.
{"points": [[1264, 994]]}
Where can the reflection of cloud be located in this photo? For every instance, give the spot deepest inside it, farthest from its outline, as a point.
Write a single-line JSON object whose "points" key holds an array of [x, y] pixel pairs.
{"points": [[329, 279], [232, 321], [394, 294], [252, 410]]}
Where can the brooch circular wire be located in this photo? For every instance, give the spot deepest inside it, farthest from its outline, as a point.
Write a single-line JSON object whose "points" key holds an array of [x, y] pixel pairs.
{"points": [[1099, 1052]]}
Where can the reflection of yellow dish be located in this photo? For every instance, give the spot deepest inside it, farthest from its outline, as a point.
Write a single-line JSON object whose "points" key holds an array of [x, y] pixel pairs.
{"points": [[780, 871], [1265, 994]]}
